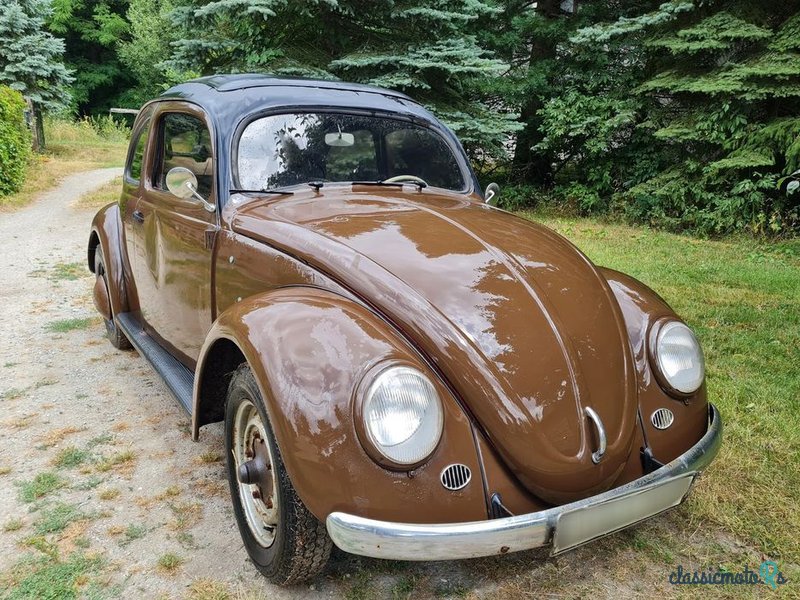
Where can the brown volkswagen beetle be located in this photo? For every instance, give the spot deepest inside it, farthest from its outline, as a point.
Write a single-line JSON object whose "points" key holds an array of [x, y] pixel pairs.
{"points": [[403, 369]]}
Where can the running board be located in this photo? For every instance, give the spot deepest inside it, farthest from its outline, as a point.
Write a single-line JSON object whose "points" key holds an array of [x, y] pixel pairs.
{"points": [[178, 378]]}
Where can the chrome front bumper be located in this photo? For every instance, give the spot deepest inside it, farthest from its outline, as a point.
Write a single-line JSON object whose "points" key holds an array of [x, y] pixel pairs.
{"points": [[564, 527]]}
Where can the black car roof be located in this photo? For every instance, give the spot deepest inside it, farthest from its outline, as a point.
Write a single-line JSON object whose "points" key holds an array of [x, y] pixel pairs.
{"points": [[240, 81], [226, 95]]}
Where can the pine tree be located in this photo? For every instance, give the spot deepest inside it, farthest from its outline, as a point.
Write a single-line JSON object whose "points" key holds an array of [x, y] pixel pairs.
{"points": [[429, 49], [31, 58], [688, 115]]}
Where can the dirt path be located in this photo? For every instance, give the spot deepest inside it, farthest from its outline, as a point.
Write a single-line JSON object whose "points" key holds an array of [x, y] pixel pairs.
{"points": [[102, 491], [118, 474]]}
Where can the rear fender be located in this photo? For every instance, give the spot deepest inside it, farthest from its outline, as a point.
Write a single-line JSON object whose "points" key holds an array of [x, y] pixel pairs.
{"points": [[107, 233]]}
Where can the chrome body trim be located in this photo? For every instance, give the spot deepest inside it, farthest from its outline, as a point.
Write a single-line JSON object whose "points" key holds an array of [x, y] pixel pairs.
{"points": [[662, 418], [598, 454], [406, 541], [455, 477]]}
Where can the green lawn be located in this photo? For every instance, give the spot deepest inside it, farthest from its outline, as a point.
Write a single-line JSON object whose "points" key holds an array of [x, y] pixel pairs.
{"points": [[742, 297]]}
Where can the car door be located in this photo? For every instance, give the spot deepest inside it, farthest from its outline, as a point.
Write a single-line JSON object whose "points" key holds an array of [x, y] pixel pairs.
{"points": [[173, 261], [132, 186]]}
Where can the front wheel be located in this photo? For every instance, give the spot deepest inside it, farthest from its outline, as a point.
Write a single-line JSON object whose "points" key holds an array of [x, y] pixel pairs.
{"points": [[283, 539]]}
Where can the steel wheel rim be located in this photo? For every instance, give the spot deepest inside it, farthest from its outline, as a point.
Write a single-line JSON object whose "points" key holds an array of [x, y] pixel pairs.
{"points": [[260, 506]]}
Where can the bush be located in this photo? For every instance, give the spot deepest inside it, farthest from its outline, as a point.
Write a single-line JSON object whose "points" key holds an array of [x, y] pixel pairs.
{"points": [[15, 143], [85, 131]]}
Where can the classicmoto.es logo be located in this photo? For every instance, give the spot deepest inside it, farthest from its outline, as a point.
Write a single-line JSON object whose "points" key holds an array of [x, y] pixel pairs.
{"points": [[768, 574]]}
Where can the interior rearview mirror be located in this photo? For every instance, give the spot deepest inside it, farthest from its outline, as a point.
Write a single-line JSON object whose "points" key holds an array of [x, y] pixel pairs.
{"points": [[490, 195], [340, 139], [181, 182]]}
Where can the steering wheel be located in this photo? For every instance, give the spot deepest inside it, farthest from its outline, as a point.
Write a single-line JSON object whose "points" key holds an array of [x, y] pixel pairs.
{"points": [[410, 178]]}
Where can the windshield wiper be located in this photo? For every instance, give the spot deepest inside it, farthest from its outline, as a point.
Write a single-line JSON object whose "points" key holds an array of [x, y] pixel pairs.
{"points": [[419, 184], [378, 182], [279, 192]]}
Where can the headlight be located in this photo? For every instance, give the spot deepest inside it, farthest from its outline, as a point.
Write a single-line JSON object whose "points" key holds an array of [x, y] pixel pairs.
{"points": [[679, 358], [402, 415]]}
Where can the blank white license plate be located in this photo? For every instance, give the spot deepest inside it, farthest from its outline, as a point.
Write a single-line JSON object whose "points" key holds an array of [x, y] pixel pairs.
{"points": [[581, 525]]}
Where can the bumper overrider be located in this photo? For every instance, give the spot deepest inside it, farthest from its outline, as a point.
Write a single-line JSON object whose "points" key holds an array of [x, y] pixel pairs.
{"points": [[564, 527]]}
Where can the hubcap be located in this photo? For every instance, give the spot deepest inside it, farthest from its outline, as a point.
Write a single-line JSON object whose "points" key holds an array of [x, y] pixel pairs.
{"points": [[257, 486]]}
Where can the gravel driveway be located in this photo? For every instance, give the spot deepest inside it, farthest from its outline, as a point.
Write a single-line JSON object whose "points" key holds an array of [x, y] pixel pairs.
{"points": [[96, 433]]}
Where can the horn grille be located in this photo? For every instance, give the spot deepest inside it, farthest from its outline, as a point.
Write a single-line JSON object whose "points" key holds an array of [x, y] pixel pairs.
{"points": [[662, 418], [456, 477]]}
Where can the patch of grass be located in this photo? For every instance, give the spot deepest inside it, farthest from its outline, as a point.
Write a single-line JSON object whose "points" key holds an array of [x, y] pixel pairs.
{"points": [[133, 532], [8, 365], [209, 457], [71, 457], [43, 484], [361, 586], [109, 494], [67, 271], [105, 194], [72, 146], [90, 483], [14, 524], [169, 562], [208, 589], [126, 457], [404, 587], [21, 422], [186, 515], [12, 394], [67, 325], [99, 440], [54, 436], [742, 298], [49, 577], [186, 540], [56, 519], [45, 382]]}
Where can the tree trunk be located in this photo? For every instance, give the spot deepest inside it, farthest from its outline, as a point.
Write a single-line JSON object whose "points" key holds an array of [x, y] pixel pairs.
{"points": [[37, 126], [535, 166]]}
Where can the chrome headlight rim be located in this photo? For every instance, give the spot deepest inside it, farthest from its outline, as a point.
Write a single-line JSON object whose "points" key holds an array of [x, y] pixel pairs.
{"points": [[365, 436], [657, 329]]}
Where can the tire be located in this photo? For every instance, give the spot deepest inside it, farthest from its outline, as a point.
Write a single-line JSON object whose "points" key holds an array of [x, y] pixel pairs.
{"points": [[113, 333], [284, 540]]}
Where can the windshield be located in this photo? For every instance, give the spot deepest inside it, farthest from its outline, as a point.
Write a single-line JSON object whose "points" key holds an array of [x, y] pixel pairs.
{"points": [[290, 149]]}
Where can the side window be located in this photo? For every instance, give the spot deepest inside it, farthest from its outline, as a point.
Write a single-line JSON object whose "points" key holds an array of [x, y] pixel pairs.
{"points": [[135, 166], [185, 142]]}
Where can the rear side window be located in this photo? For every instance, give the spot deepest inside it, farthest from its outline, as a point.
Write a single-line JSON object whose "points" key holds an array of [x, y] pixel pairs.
{"points": [[135, 166], [185, 142]]}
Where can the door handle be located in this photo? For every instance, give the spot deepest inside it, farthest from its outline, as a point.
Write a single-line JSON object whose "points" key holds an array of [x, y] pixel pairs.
{"points": [[138, 216]]}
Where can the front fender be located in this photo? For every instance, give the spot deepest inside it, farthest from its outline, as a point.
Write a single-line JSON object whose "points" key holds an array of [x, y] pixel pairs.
{"points": [[641, 307], [308, 349]]}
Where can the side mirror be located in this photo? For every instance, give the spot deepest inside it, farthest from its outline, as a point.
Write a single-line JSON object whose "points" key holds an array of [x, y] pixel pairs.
{"points": [[181, 182], [491, 193]]}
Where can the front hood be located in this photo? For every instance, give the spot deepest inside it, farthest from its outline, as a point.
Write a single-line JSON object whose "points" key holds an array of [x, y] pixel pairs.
{"points": [[521, 324]]}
